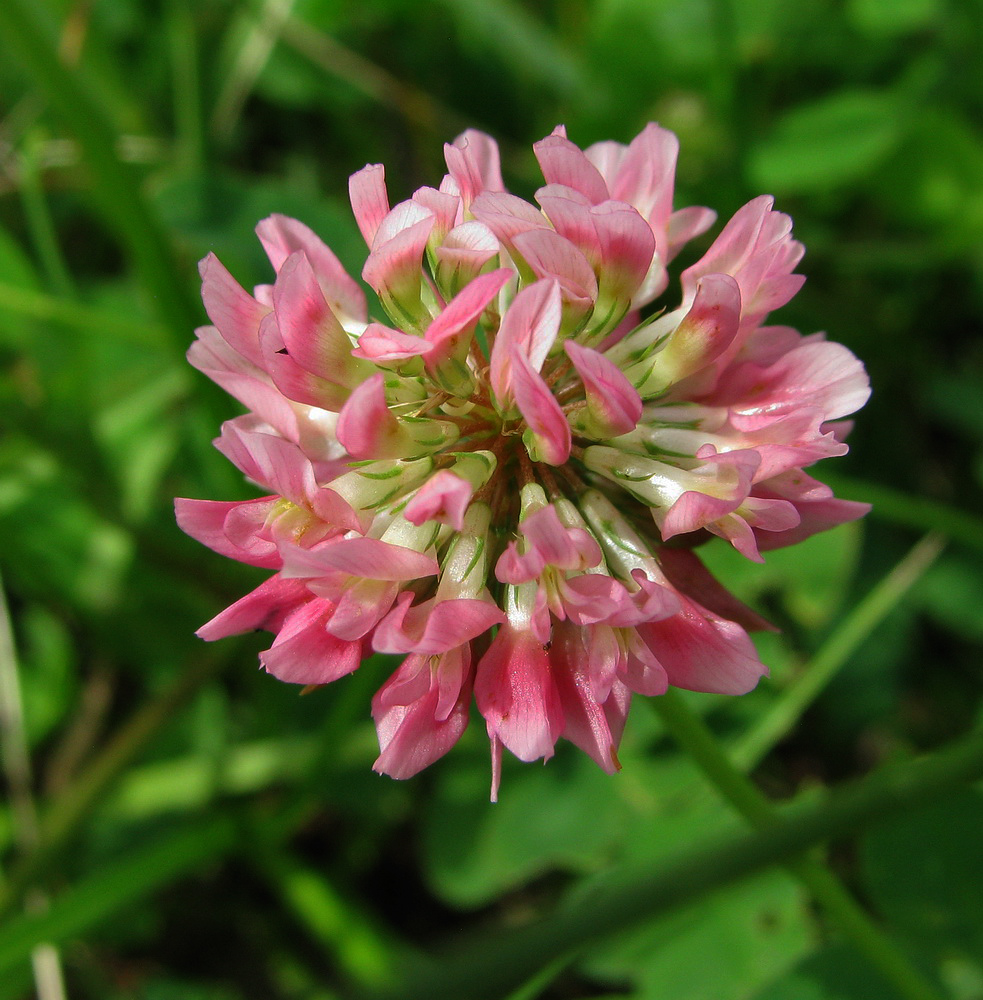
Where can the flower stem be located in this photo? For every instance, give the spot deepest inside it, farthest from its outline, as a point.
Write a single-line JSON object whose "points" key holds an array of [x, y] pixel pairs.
{"points": [[755, 744], [695, 738]]}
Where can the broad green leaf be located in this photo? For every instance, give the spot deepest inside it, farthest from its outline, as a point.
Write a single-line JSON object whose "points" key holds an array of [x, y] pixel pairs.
{"points": [[834, 973], [921, 873], [724, 947], [828, 143]]}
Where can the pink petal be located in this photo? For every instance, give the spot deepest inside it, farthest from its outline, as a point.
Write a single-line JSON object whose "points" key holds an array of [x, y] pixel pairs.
{"points": [[646, 178], [434, 626], [295, 382], [370, 200], [506, 215], [206, 520], [235, 313], [457, 321], [569, 212], [756, 248], [564, 163], [701, 652], [626, 248], [380, 343], [443, 498], [393, 267], [271, 461], [360, 605], [549, 255], [612, 400], [531, 323], [473, 163], [304, 652], [595, 728], [282, 236], [821, 374], [366, 427], [368, 558], [264, 608], [515, 692], [706, 331], [212, 356], [549, 439], [415, 733], [310, 330], [445, 208], [464, 252], [560, 546]]}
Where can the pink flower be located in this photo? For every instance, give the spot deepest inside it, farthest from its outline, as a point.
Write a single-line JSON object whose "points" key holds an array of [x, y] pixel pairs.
{"points": [[485, 478]]}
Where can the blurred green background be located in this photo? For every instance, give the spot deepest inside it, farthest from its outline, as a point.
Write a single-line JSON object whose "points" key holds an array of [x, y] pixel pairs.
{"points": [[186, 827]]}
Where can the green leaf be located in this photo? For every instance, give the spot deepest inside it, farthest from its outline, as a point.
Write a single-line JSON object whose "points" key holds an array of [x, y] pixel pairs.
{"points": [[835, 973], [812, 577], [892, 17], [827, 144], [754, 931], [921, 872]]}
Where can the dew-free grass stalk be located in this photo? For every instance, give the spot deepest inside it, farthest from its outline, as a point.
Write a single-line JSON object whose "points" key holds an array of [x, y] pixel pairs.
{"points": [[114, 185], [63, 816]]}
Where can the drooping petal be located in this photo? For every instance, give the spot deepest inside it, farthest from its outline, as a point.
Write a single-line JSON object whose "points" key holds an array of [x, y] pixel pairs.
{"points": [[206, 521], [421, 712], [516, 694], [304, 652], [701, 652], [266, 607]]}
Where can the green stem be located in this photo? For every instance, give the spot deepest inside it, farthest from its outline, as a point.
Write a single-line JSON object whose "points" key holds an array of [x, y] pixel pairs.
{"points": [[755, 745], [494, 964], [698, 741], [114, 186]]}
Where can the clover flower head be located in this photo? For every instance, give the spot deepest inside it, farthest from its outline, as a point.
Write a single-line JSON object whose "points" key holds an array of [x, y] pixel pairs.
{"points": [[506, 476]]}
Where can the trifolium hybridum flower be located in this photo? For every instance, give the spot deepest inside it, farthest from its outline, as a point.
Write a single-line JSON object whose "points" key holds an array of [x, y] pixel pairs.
{"points": [[505, 476]]}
